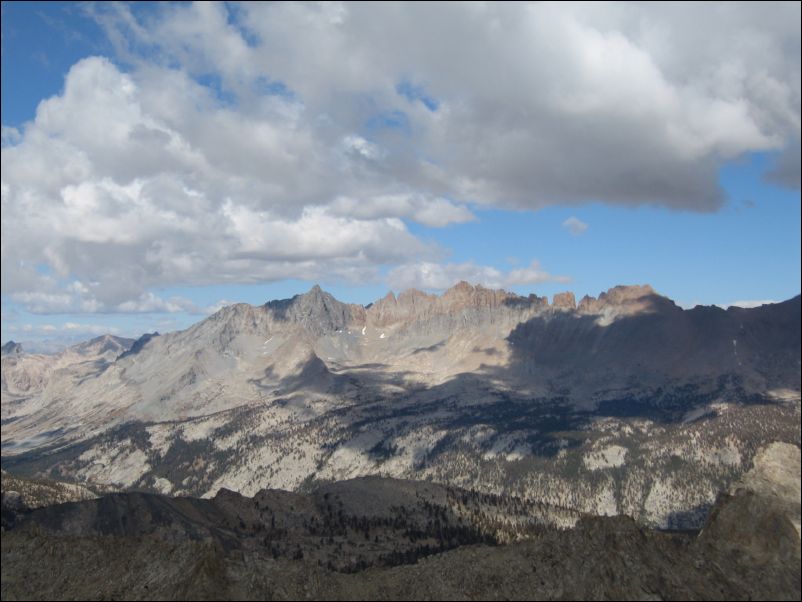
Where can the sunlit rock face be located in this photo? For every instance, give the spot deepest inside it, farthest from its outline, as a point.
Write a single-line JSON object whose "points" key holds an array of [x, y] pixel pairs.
{"points": [[625, 403]]}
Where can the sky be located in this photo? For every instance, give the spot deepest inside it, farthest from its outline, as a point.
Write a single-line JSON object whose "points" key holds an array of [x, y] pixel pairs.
{"points": [[162, 160]]}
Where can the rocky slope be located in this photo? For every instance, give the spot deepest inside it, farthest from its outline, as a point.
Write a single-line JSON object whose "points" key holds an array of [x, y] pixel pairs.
{"points": [[621, 404], [384, 539], [20, 494], [25, 374], [11, 348]]}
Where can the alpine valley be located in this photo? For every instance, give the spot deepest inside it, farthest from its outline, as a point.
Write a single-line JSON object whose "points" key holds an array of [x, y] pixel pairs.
{"points": [[475, 445], [621, 404]]}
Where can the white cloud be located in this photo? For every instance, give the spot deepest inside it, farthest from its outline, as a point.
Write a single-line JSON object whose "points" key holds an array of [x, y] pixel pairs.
{"points": [[357, 144], [424, 209], [39, 302], [538, 103], [150, 303], [124, 182], [749, 304], [10, 136], [786, 171], [89, 328], [436, 276], [71, 328], [303, 157], [79, 298], [575, 226]]}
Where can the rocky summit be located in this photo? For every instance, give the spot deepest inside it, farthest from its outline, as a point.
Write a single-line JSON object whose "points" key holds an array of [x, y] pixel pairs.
{"points": [[620, 404], [473, 445]]}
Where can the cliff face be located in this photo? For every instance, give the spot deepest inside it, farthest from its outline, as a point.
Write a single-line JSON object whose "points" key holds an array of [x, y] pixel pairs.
{"points": [[484, 388], [317, 312]]}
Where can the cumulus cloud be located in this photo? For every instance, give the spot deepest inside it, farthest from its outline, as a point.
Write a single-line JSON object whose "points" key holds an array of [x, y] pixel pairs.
{"points": [[10, 136], [257, 142], [616, 102], [620, 103], [439, 276], [123, 183], [575, 226], [786, 171], [749, 304], [424, 209], [151, 303], [77, 297], [67, 328]]}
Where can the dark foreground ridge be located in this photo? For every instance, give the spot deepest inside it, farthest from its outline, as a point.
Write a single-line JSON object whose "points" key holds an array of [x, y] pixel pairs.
{"points": [[374, 538]]}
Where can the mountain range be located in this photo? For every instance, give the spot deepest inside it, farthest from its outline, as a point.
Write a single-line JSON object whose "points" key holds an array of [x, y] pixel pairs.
{"points": [[621, 404]]}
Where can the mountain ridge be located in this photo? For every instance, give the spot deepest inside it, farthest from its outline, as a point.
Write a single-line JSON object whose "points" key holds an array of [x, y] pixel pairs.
{"points": [[304, 306], [475, 387], [371, 537]]}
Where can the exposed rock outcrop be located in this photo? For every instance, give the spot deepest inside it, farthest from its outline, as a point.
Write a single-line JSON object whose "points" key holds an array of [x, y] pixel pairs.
{"points": [[12, 348], [368, 539], [564, 301], [425, 386]]}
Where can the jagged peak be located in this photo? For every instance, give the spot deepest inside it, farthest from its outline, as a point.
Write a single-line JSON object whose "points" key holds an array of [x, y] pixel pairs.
{"points": [[465, 292], [316, 310], [315, 295], [625, 300], [103, 344], [464, 288], [624, 292], [565, 300], [12, 348], [412, 294], [320, 312], [459, 287], [107, 338], [232, 308]]}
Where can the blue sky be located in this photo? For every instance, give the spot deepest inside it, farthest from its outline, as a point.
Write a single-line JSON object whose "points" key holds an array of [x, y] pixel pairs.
{"points": [[376, 167]]}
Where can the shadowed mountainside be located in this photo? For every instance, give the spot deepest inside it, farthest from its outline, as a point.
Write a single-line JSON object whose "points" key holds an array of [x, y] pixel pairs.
{"points": [[625, 403], [378, 538]]}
